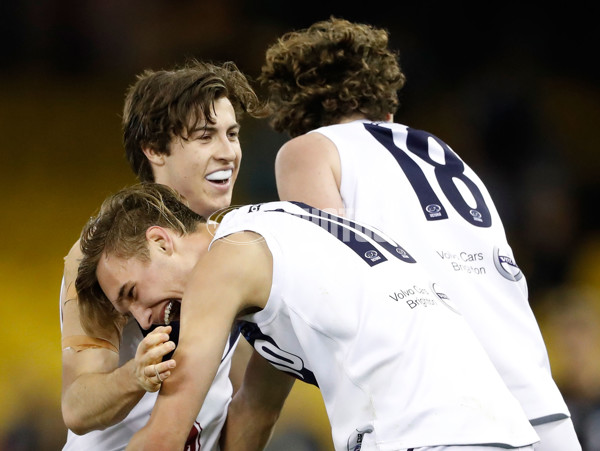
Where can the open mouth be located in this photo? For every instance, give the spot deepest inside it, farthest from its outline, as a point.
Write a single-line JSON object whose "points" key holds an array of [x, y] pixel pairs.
{"points": [[172, 311], [220, 177]]}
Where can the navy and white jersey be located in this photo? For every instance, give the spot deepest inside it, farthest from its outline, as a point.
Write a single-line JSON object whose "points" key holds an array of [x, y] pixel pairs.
{"points": [[413, 186], [353, 313], [207, 427]]}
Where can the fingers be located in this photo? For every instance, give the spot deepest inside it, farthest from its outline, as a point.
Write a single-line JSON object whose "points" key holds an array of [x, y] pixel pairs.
{"points": [[150, 370], [158, 372], [157, 336], [156, 344], [154, 374]]}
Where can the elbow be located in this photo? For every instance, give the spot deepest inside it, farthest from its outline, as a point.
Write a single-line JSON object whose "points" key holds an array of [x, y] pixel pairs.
{"points": [[74, 425], [77, 423]]}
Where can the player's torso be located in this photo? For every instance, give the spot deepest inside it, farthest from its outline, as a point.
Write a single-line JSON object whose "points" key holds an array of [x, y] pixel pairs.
{"points": [[352, 312], [411, 185]]}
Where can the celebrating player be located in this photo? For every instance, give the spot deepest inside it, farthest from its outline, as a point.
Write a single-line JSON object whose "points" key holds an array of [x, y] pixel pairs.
{"points": [[330, 301], [180, 128], [333, 88]]}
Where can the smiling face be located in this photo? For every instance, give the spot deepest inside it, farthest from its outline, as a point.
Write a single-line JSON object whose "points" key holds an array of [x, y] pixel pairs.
{"points": [[151, 290], [203, 166]]}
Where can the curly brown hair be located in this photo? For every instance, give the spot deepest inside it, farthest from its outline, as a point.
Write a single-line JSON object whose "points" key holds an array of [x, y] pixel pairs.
{"points": [[163, 104], [333, 69], [119, 229]]}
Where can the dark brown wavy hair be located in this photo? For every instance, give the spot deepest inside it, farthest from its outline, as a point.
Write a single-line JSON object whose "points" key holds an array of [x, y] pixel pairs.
{"points": [[333, 69], [163, 104]]}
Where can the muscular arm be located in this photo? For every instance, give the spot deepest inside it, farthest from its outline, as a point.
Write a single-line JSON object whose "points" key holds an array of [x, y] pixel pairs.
{"points": [[229, 280], [258, 403], [96, 392], [307, 169]]}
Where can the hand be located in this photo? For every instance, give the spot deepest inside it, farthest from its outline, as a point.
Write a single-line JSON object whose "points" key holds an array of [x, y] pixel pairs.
{"points": [[150, 370]]}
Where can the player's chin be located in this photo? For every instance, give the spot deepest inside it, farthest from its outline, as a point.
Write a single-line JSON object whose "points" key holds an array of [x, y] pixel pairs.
{"points": [[209, 205], [221, 202]]}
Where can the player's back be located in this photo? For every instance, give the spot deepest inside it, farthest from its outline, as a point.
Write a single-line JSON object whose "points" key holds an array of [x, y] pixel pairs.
{"points": [[411, 185], [355, 314]]}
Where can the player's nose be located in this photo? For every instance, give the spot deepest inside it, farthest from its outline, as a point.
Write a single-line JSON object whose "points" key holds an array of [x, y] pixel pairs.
{"points": [[142, 315]]}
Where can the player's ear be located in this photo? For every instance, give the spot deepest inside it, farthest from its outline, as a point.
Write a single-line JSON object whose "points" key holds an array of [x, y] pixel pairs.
{"points": [[161, 238], [154, 157]]}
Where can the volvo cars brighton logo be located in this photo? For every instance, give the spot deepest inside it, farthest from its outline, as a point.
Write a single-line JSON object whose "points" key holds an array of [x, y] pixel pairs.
{"points": [[506, 266]]}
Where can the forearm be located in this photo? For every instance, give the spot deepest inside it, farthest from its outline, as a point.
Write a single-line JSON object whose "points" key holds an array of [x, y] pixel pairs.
{"points": [[99, 400], [255, 408], [247, 428], [239, 362], [96, 392]]}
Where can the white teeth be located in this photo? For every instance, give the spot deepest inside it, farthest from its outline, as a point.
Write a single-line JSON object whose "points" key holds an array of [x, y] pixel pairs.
{"points": [[168, 313], [219, 175]]}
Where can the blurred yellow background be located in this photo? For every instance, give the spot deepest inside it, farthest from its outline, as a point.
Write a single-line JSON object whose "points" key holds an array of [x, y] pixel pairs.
{"points": [[515, 97]]}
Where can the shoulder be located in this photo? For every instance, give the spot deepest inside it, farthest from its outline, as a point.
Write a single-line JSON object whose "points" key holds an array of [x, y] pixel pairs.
{"points": [[311, 150], [71, 264], [238, 238], [308, 146], [240, 264], [74, 254], [243, 247]]}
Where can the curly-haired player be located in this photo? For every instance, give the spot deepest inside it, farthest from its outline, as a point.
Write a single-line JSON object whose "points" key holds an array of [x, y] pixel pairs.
{"points": [[333, 88]]}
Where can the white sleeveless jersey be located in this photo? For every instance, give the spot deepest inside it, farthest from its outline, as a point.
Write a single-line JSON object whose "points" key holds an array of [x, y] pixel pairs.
{"points": [[207, 427], [397, 366], [413, 186]]}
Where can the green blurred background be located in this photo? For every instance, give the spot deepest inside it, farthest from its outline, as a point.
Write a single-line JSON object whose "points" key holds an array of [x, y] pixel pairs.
{"points": [[513, 89]]}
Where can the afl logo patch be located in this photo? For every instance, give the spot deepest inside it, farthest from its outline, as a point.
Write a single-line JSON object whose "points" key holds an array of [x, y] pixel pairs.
{"points": [[372, 255], [476, 215], [434, 210], [506, 266], [402, 252]]}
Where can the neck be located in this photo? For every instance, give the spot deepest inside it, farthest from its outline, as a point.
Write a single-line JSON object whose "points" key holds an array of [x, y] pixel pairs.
{"points": [[352, 118], [199, 240], [359, 116]]}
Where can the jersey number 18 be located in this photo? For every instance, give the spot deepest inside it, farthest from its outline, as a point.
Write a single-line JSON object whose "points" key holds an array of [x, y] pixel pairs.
{"points": [[417, 142]]}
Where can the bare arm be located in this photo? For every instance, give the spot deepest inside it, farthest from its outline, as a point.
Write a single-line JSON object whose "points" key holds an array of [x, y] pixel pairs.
{"points": [[258, 403], [307, 169], [229, 280], [96, 393], [239, 361]]}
